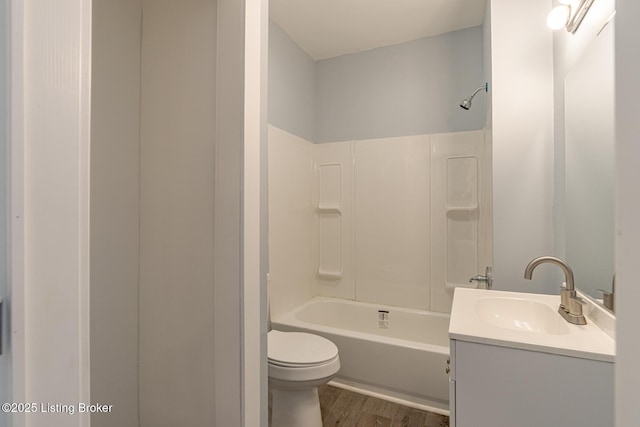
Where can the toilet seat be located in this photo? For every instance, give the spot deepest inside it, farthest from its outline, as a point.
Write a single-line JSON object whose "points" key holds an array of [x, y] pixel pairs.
{"points": [[299, 349], [300, 365]]}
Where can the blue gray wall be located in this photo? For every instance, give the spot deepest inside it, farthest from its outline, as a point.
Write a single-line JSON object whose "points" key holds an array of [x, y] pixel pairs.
{"points": [[405, 89], [292, 85]]}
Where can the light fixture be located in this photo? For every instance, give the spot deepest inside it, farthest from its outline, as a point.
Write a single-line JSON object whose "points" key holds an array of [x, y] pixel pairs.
{"points": [[559, 17], [568, 14]]}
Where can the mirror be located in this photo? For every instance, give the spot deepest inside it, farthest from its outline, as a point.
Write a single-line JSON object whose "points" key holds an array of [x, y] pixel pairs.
{"points": [[589, 166]]}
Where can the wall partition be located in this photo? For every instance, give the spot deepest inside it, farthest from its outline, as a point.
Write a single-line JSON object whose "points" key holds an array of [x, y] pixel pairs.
{"points": [[168, 132]]}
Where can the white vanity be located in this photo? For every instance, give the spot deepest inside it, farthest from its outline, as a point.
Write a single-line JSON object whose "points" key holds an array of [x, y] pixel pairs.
{"points": [[516, 362]]}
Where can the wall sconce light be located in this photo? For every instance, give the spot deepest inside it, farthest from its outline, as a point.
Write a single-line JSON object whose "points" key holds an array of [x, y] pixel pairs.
{"points": [[568, 14]]}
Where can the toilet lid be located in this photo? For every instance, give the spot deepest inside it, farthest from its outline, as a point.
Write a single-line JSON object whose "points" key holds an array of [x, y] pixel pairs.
{"points": [[299, 348]]}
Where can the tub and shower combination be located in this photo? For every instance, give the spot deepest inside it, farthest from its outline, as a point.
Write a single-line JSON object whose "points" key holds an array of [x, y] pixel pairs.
{"points": [[398, 354], [354, 224]]}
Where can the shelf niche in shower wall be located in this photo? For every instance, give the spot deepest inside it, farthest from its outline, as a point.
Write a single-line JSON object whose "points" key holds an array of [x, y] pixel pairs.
{"points": [[333, 199], [458, 217], [330, 221], [462, 218]]}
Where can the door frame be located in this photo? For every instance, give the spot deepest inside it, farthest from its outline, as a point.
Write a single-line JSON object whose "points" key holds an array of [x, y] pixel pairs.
{"points": [[16, 207]]}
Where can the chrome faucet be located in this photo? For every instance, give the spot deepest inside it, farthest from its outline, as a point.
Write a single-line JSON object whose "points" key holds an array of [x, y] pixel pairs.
{"points": [[570, 304]]}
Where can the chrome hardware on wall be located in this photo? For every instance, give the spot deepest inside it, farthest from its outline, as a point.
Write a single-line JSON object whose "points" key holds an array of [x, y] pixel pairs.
{"points": [[487, 278]]}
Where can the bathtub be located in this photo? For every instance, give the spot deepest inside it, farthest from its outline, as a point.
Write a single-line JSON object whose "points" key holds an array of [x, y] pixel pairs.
{"points": [[402, 359]]}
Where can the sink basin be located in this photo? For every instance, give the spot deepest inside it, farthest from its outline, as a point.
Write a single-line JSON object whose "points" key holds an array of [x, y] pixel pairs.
{"points": [[518, 314], [528, 322]]}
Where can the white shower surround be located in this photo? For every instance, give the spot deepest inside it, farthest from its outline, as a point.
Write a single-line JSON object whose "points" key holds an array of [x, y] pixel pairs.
{"points": [[404, 363], [396, 221]]}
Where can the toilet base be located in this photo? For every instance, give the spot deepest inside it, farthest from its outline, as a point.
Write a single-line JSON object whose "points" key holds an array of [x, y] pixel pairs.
{"points": [[295, 408]]}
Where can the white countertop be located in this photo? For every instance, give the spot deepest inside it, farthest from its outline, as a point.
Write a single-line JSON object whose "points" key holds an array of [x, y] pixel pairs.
{"points": [[587, 341]]}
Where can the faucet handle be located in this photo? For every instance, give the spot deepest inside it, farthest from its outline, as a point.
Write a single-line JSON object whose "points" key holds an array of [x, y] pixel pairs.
{"points": [[565, 296], [487, 278], [607, 299], [575, 308], [572, 313]]}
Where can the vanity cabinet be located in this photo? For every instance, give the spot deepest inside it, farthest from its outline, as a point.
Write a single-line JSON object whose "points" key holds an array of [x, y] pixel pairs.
{"points": [[499, 386]]}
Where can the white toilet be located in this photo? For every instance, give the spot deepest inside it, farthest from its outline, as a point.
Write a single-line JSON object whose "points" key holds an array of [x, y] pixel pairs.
{"points": [[298, 364]]}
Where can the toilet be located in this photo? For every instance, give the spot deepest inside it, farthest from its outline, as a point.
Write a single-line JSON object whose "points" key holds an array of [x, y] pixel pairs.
{"points": [[298, 364]]}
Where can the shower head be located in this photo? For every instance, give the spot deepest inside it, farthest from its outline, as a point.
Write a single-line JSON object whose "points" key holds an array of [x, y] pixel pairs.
{"points": [[466, 103]]}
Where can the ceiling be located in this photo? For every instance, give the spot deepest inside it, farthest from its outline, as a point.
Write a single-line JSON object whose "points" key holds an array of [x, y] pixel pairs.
{"points": [[328, 28]]}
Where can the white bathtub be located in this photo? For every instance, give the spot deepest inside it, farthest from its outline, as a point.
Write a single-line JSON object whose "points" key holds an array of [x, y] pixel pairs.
{"points": [[405, 363]]}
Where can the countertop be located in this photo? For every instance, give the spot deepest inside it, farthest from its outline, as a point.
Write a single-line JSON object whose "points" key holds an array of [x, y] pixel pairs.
{"points": [[588, 341]]}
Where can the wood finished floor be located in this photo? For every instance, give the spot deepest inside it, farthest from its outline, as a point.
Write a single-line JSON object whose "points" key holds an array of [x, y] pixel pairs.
{"points": [[348, 409]]}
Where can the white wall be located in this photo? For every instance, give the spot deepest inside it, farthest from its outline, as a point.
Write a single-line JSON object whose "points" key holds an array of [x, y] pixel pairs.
{"points": [[5, 387], [115, 128], [57, 46], [522, 133], [177, 135], [627, 384], [17, 194]]}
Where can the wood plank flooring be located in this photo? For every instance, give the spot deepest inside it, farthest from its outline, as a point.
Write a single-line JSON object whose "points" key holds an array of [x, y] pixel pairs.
{"points": [[348, 409]]}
